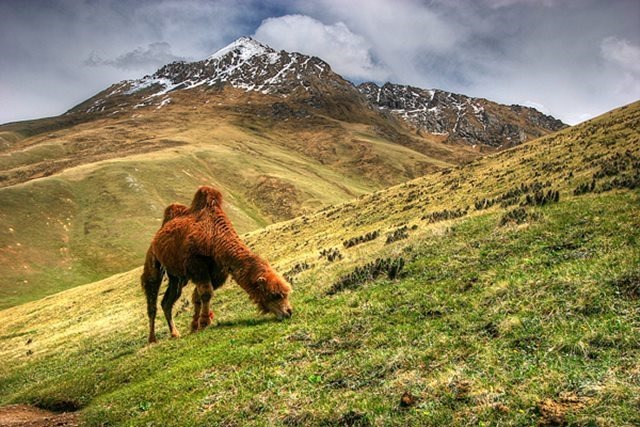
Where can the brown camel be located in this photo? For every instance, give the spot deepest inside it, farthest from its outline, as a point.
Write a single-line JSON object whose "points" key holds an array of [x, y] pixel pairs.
{"points": [[199, 243]]}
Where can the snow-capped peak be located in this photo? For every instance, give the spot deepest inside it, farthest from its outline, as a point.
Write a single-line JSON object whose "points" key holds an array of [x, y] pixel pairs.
{"points": [[246, 47], [245, 64]]}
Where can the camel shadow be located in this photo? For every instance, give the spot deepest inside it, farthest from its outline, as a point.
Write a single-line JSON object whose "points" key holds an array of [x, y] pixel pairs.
{"points": [[245, 322]]}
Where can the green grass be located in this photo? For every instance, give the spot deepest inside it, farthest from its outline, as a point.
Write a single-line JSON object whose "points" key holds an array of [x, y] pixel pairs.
{"points": [[489, 322], [15, 131]]}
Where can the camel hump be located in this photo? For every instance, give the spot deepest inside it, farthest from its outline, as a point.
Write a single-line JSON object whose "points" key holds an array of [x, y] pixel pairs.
{"points": [[174, 210], [206, 197]]}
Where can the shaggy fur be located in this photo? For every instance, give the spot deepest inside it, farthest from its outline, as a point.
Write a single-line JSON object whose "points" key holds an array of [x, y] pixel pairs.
{"points": [[199, 243]]}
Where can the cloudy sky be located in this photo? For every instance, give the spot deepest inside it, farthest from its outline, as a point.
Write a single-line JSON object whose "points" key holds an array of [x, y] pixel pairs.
{"points": [[573, 59]]}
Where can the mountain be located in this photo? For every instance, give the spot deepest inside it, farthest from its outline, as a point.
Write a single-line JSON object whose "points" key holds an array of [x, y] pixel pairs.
{"points": [[461, 118], [309, 82], [245, 64], [280, 91], [279, 133], [499, 292]]}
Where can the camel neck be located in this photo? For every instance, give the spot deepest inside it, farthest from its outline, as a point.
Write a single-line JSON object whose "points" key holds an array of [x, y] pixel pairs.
{"points": [[231, 251], [246, 269]]}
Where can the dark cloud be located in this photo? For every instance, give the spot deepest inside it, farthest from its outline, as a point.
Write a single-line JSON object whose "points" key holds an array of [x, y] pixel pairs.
{"points": [[155, 55], [47, 47], [537, 52], [621, 52]]}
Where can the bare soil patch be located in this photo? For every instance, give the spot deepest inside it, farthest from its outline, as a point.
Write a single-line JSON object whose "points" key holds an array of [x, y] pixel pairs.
{"points": [[29, 416], [554, 412]]}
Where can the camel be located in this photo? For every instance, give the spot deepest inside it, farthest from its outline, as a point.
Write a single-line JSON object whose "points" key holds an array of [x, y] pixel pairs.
{"points": [[199, 244]]}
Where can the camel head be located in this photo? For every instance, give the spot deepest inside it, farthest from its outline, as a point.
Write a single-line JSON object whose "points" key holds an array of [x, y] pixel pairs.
{"points": [[274, 295]]}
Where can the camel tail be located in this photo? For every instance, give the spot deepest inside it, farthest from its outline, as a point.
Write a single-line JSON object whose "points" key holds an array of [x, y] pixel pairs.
{"points": [[152, 273]]}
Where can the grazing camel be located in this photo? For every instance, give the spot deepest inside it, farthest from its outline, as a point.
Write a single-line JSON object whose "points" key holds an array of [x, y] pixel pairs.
{"points": [[199, 243]]}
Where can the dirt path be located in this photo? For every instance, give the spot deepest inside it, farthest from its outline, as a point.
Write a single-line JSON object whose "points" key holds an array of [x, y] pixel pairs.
{"points": [[29, 416]]}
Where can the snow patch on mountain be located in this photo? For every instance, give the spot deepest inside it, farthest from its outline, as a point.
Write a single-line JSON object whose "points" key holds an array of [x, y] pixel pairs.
{"points": [[244, 64], [458, 116], [251, 66]]}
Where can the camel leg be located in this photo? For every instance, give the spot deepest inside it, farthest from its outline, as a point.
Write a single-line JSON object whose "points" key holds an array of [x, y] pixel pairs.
{"points": [[217, 277], [217, 280], [151, 279], [151, 289], [205, 291], [199, 270], [170, 297], [197, 305]]}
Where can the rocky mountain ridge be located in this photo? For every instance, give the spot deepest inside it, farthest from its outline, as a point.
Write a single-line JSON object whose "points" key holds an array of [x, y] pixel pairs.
{"points": [[245, 64], [459, 117], [305, 84]]}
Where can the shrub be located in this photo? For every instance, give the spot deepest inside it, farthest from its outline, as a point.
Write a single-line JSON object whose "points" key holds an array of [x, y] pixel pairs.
{"points": [[484, 204], [332, 254], [585, 187], [297, 269], [518, 216], [361, 239], [444, 215], [398, 234], [541, 198], [392, 268]]}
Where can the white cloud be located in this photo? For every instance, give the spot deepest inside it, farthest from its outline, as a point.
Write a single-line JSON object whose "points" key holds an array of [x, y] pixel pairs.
{"points": [[509, 51], [578, 58], [46, 45], [622, 61], [538, 106], [348, 53], [622, 53], [406, 35]]}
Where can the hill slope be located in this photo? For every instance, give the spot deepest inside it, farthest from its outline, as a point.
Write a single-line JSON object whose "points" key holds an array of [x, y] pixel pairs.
{"points": [[280, 133], [516, 305], [109, 180], [83, 193]]}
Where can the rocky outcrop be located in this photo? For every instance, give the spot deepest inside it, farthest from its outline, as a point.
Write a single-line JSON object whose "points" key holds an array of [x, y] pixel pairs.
{"points": [[459, 117]]}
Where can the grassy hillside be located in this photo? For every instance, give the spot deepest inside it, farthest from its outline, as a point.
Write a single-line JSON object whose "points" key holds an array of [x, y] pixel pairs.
{"points": [[515, 306], [81, 201]]}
